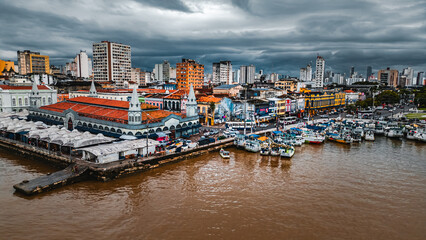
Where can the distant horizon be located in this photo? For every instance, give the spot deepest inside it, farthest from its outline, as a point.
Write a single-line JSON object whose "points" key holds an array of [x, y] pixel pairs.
{"points": [[276, 36]]}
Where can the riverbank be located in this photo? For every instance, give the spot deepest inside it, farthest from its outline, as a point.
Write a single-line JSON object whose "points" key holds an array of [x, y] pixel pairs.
{"points": [[101, 172]]}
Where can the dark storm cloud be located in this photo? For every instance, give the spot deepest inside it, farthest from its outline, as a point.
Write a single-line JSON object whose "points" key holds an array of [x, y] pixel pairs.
{"points": [[275, 35], [176, 5]]}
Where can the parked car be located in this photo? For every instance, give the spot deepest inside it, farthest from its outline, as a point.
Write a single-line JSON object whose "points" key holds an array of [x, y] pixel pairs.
{"points": [[263, 125], [324, 116]]}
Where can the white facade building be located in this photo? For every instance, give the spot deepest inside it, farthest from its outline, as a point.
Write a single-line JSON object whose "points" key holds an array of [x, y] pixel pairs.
{"points": [[302, 76], [112, 62], [162, 72], [83, 65], [319, 72], [409, 73], [247, 74], [17, 98], [222, 72]]}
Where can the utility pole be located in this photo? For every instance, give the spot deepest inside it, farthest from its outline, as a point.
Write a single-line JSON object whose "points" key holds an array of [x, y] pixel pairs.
{"points": [[245, 108], [147, 125]]}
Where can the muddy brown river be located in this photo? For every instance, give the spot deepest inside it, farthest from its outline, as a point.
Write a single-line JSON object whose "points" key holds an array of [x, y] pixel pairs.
{"points": [[371, 190]]}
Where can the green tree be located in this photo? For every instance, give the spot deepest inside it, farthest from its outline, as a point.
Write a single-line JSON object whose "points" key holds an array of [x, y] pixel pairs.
{"points": [[420, 99], [351, 108], [388, 97], [212, 107]]}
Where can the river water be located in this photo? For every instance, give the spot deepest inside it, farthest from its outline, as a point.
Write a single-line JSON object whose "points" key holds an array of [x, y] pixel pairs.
{"points": [[372, 190]]}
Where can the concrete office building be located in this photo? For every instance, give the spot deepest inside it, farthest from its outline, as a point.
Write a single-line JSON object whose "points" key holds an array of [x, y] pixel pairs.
{"points": [[189, 72], [247, 74], [222, 72], [319, 72], [32, 62], [388, 77], [112, 62]]}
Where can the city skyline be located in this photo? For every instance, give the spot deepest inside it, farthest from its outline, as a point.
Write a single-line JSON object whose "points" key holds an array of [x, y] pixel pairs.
{"points": [[277, 37]]}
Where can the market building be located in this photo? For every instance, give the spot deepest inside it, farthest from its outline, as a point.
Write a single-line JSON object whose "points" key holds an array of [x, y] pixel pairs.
{"points": [[114, 118]]}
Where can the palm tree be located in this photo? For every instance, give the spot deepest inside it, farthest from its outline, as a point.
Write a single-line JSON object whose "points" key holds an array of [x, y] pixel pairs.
{"points": [[212, 108]]}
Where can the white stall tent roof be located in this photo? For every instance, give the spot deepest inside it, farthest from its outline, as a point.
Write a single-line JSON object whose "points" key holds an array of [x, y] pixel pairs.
{"points": [[53, 134], [107, 149]]}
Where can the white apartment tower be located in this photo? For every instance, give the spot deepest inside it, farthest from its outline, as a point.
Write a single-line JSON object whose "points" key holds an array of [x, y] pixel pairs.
{"points": [[247, 74], [409, 73], [222, 72], [303, 74], [162, 72], [112, 62], [306, 74], [309, 73], [319, 72], [83, 65]]}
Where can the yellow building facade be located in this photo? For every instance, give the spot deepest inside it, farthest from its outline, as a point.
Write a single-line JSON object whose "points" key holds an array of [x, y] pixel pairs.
{"points": [[33, 62], [287, 84], [6, 65], [316, 102]]}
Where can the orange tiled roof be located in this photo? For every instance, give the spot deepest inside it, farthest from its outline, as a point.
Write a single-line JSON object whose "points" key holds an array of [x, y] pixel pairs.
{"points": [[208, 99], [178, 94], [107, 114], [107, 102], [140, 90], [349, 91], [7, 87], [157, 115]]}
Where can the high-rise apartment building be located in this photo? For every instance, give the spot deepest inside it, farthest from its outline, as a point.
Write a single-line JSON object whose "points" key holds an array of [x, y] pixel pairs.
{"points": [[351, 74], [302, 74], [83, 65], [308, 73], [247, 74], [369, 72], [33, 62], [112, 62], [419, 80], [319, 72], [409, 73], [222, 72], [189, 72], [162, 72], [135, 76], [388, 77]]}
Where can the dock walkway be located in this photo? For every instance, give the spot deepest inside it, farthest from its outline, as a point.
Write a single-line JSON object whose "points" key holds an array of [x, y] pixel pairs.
{"points": [[50, 181]]}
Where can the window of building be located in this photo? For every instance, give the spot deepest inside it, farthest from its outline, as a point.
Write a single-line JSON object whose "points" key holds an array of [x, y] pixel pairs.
{"points": [[26, 101], [49, 100], [20, 102], [44, 101], [13, 102]]}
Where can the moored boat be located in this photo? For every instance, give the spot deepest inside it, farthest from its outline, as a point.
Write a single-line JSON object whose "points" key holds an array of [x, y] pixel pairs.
{"points": [[265, 149], [340, 138], [369, 135], [240, 141], [395, 133], [252, 146], [224, 154], [287, 151], [314, 138]]}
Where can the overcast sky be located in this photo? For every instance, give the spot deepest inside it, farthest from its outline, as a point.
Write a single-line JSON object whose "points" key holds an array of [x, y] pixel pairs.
{"points": [[275, 35]]}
